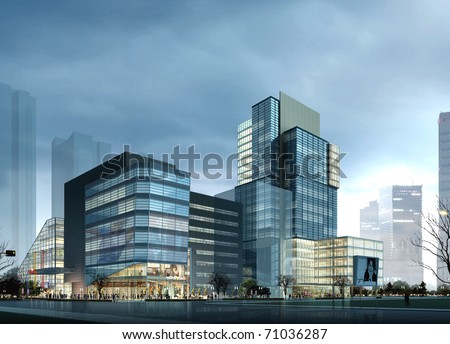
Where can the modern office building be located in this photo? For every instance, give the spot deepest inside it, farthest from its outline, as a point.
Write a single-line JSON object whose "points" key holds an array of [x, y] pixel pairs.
{"points": [[444, 180], [312, 182], [369, 222], [316, 264], [128, 219], [293, 189], [70, 158], [266, 223], [400, 221], [18, 169], [135, 221], [215, 241], [44, 262]]}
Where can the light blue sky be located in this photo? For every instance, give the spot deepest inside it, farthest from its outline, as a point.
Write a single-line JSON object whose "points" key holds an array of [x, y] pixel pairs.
{"points": [[154, 74]]}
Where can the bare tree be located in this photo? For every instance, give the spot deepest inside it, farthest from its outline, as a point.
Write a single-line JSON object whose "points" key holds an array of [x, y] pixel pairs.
{"points": [[99, 281], [438, 230], [219, 281], [226, 281], [215, 279], [284, 281], [5, 256], [341, 282]]}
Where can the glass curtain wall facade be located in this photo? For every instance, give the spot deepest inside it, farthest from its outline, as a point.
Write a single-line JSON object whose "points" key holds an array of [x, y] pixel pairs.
{"points": [[293, 192], [215, 242], [265, 139], [314, 200], [244, 174], [44, 262], [133, 213], [316, 263], [266, 216], [137, 232], [400, 220]]}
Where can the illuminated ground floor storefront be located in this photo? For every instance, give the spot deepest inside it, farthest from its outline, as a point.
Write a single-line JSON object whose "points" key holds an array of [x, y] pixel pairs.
{"points": [[142, 281], [326, 268]]}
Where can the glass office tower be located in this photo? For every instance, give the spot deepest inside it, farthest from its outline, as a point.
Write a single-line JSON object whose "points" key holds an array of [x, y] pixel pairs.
{"points": [[314, 200], [17, 169], [128, 219], [266, 216], [293, 191]]}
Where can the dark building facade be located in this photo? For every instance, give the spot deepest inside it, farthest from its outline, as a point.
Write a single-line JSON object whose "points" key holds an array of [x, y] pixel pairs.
{"points": [[215, 241], [128, 219]]}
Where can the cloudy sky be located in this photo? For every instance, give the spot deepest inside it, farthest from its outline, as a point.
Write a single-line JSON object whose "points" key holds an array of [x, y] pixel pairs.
{"points": [[155, 74]]}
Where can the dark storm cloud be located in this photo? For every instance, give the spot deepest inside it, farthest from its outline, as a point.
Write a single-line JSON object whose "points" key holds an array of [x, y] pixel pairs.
{"points": [[155, 74]]}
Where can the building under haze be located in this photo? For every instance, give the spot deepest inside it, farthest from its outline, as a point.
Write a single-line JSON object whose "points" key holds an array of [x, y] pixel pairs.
{"points": [[70, 158], [369, 221], [17, 169], [400, 221], [444, 179]]}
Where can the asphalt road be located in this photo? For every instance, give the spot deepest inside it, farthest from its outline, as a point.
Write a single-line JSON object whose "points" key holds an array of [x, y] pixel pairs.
{"points": [[216, 312]]}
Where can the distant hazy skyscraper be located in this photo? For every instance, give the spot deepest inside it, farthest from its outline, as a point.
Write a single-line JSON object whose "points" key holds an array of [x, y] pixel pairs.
{"points": [[369, 222], [400, 220], [444, 176], [17, 169], [70, 158]]}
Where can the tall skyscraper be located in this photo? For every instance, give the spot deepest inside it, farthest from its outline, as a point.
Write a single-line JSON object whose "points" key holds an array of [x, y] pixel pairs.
{"points": [[369, 221], [70, 158], [444, 178], [18, 169], [400, 221], [292, 192]]}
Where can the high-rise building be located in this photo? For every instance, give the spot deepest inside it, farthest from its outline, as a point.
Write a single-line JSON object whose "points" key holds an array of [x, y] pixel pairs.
{"points": [[292, 192], [70, 158], [369, 222], [266, 223], [18, 169], [444, 180], [400, 221]]}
